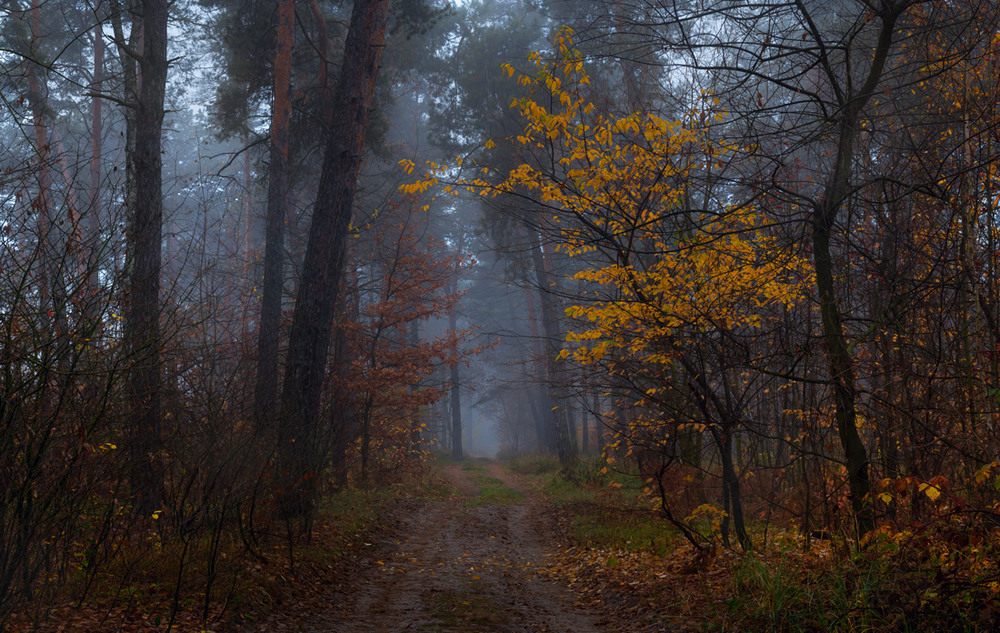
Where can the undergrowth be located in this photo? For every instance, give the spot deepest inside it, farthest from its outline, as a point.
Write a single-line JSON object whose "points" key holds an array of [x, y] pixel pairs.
{"points": [[156, 573], [935, 578]]}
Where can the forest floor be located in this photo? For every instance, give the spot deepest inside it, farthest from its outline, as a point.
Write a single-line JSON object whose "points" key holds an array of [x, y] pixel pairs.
{"points": [[475, 546], [472, 561], [483, 547]]}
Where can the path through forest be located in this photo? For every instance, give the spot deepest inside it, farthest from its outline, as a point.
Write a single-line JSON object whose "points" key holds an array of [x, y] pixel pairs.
{"points": [[454, 565]]}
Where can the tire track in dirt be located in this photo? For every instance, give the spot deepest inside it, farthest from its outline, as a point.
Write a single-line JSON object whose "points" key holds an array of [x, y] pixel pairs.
{"points": [[458, 568]]}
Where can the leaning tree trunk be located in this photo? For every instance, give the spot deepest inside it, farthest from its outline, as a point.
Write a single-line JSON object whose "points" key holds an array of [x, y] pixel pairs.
{"points": [[322, 269], [266, 392], [142, 327]]}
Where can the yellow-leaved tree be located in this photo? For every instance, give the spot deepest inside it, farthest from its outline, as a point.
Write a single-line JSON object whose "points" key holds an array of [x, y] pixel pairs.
{"points": [[667, 286]]}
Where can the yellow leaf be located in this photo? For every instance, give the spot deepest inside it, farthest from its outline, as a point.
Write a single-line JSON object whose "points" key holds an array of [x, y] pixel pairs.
{"points": [[932, 492]]}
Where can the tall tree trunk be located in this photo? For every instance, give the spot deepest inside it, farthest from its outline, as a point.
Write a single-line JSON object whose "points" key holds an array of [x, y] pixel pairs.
{"points": [[319, 286], [49, 251], [324, 62], [836, 191], [541, 407], [91, 220], [598, 422], [344, 414], [38, 102], [268, 336], [128, 52], [142, 326], [456, 394], [842, 375], [565, 447]]}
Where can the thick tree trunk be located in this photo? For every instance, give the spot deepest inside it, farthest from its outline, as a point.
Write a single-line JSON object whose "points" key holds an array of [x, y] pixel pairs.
{"points": [[142, 326], [266, 392], [309, 337]]}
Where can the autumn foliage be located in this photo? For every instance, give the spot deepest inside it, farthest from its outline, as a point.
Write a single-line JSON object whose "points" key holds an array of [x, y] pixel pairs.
{"points": [[391, 381], [697, 303]]}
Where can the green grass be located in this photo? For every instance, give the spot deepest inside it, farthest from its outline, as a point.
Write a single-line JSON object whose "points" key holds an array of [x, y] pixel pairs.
{"points": [[493, 492], [611, 529], [866, 591], [490, 490], [606, 508], [533, 464]]}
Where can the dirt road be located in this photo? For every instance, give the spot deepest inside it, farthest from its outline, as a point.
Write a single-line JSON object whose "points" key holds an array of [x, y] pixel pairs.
{"points": [[459, 565]]}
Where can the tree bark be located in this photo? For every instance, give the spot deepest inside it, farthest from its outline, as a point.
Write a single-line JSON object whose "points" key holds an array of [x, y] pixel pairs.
{"points": [[142, 327], [344, 413], [268, 336], [309, 337]]}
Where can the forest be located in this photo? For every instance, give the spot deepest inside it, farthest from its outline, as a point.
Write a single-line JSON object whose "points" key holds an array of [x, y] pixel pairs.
{"points": [[707, 292]]}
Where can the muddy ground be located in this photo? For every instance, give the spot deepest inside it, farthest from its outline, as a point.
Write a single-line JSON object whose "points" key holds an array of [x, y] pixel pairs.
{"points": [[454, 566]]}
